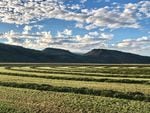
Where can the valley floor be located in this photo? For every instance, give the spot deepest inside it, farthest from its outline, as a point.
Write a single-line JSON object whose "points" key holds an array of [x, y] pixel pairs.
{"points": [[62, 88]]}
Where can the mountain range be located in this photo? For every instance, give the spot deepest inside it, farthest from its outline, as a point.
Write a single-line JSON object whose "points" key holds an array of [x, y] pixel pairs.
{"points": [[18, 54]]}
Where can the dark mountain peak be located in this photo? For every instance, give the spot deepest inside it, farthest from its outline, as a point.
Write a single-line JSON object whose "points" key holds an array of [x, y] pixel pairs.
{"points": [[97, 52], [56, 51], [7, 47], [114, 56], [12, 53], [62, 55]]}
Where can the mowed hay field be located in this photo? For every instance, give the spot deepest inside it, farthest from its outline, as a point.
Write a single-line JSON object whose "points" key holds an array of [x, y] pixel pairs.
{"points": [[74, 88]]}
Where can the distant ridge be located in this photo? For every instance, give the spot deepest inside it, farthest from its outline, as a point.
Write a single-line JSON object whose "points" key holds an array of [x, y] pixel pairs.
{"points": [[11, 53], [114, 56]]}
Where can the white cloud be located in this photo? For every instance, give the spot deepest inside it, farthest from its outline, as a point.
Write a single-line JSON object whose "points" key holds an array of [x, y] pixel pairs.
{"points": [[84, 10], [116, 17], [107, 36], [134, 43], [15, 11], [31, 11], [79, 25], [94, 33], [103, 17], [39, 27], [44, 39], [93, 38], [27, 29], [144, 8], [87, 27], [36, 40], [66, 32], [137, 46], [75, 7], [90, 27]]}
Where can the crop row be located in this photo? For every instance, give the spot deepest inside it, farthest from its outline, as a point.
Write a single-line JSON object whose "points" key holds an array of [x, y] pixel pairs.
{"points": [[106, 93], [109, 70], [129, 81], [79, 73]]}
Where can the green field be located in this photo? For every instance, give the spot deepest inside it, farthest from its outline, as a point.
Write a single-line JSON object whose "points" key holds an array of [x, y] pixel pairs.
{"points": [[63, 88]]}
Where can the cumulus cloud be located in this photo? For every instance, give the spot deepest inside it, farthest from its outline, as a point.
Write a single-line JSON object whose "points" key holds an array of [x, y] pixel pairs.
{"points": [[30, 11], [144, 9], [105, 17], [66, 40], [139, 45], [95, 33], [39, 27], [75, 7], [66, 32], [34, 40], [134, 43], [27, 29], [117, 17]]}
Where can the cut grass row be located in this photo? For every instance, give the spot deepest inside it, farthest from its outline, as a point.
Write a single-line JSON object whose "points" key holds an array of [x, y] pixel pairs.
{"points": [[77, 73], [65, 75], [110, 70], [34, 101], [109, 80], [106, 93], [79, 84], [100, 70]]}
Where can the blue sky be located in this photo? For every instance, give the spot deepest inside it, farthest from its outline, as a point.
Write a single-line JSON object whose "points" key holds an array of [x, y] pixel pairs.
{"points": [[77, 25]]}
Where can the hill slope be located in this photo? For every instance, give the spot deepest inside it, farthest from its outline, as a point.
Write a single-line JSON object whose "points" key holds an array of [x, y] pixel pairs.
{"points": [[10, 53], [63, 55], [113, 56]]}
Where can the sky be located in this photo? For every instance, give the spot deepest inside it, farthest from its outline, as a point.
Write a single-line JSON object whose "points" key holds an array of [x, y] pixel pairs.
{"points": [[77, 25]]}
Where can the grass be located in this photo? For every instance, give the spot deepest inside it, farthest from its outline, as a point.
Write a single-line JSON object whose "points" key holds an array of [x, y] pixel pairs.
{"points": [[106, 93], [79, 84], [52, 102], [130, 81], [5, 108], [106, 69], [74, 72], [24, 71], [62, 88]]}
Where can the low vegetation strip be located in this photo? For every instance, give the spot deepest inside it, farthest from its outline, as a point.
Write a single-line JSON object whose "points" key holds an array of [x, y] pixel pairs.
{"points": [[83, 74], [144, 71], [106, 93], [107, 69], [129, 81]]}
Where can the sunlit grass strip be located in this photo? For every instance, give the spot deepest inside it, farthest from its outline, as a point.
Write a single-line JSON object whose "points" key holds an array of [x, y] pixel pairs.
{"points": [[106, 93], [107, 69], [83, 74], [146, 82]]}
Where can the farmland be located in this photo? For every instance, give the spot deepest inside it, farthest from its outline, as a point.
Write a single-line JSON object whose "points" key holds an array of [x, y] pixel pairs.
{"points": [[74, 88]]}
